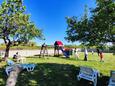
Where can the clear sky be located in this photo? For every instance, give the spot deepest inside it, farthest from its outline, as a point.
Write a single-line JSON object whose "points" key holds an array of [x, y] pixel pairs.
{"points": [[49, 15]]}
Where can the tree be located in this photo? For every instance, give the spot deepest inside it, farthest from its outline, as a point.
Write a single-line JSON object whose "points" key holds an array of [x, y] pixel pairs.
{"points": [[77, 29], [15, 25], [104, 20], [98, 29]]}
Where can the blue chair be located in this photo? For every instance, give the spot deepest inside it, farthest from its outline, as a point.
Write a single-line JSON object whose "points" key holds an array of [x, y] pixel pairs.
{"points": [[28, 67], [10, 62]]}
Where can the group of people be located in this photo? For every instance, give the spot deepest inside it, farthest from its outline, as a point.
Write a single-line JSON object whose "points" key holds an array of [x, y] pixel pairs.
{"points": [[99, 52], [76, 54]]}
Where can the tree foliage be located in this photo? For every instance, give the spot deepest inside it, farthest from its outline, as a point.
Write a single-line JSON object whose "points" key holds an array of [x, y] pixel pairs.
{"points": [[96, 30], [15, 24]]}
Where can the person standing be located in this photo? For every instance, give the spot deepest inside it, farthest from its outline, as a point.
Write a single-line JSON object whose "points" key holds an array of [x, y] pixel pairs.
{"points": [[85, 54], [92, 52], [98, 51], [101, 56], [43, 50], [76, 53]]}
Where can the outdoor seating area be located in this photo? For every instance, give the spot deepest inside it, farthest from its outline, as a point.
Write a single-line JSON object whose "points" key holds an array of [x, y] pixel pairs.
{"points": [[12, 64], [88, 74], [28, 67], [112, 78], [84, 74], [57, 42]]}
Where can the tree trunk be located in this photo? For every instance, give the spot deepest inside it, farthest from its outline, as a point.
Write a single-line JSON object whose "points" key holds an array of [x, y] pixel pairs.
{"points": [[12, 79], [7, 51]]}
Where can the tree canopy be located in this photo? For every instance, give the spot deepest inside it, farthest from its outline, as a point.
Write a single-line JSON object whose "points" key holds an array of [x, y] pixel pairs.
{"points": [[96, 30], [15, 24]]}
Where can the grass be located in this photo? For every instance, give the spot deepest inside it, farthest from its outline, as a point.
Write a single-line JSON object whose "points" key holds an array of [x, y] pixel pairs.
{"points": [[60, 71]]}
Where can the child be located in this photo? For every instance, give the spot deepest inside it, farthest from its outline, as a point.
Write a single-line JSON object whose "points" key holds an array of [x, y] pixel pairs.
{"points": [[92, 52], [76, 53], [101, 56]]}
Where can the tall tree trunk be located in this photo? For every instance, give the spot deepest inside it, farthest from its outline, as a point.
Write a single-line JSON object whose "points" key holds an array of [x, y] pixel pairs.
{"points": [[7, 51]]}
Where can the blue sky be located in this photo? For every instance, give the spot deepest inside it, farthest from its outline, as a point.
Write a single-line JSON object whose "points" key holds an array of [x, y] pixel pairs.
{"points": [[49, 15]]}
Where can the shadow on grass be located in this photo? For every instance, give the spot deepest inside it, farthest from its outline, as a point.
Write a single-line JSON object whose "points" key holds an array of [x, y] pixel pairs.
{"points": [[75, 59], [3, 77], [51, 74], [40, 56]]}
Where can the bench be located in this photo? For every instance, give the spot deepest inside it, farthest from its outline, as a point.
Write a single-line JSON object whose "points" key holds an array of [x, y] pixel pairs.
{"points": [[88, 74], [28, 67], [112, 78], [11, 64]]}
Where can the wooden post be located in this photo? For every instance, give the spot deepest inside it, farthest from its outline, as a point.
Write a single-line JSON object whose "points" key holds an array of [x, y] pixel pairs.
{"points": [[12, 79]]}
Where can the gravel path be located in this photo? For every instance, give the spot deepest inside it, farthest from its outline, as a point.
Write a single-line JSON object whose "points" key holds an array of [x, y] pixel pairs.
{"points": [[28, 52]]}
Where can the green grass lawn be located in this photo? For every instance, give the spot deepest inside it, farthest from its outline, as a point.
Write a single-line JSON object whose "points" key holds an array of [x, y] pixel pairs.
{"points": [[60, 71]]}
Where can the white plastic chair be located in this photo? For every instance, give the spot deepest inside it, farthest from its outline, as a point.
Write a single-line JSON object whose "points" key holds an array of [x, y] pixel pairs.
{"points": [[88, 74]]}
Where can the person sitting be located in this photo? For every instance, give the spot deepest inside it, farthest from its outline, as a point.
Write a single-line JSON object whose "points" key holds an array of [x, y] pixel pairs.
{"points": [[15, 56]]}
